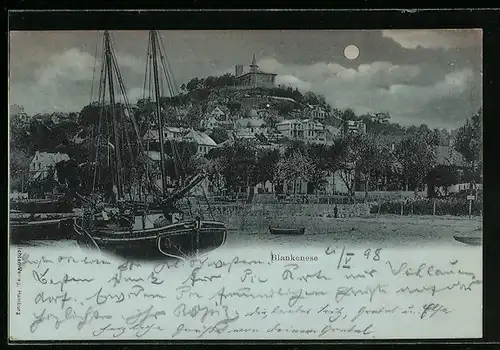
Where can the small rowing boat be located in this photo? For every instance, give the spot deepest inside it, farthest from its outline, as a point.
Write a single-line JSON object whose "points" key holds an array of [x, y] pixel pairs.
{"points": [[287, 231], [470, 240]]}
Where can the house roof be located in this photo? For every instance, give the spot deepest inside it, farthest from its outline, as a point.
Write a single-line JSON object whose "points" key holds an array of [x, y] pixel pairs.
{"points": [[446, 155], [200, 138], [283, 98], [47, 157], [257, 72], [255, 123], [290, 121], [154, 134], [174, 129], [151, 134], [217, 110], [154, 155]]}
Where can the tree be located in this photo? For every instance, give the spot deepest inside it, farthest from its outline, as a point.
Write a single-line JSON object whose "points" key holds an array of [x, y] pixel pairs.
{"points": [[18, 168], [181, 162], [89, 115], [416, 158], [373, 160], [294, 147], [348, 114], [68, 174], [348, 151], [469, 142], [193, 84], [296, 167], [194, 115], [219, 135], [237, 164], [285, 109], [441, 176], [318, 155], [234, 106], [267, 162]]}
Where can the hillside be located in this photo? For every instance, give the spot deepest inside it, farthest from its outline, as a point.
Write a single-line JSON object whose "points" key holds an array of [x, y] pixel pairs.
{"points": [[201, 96]]}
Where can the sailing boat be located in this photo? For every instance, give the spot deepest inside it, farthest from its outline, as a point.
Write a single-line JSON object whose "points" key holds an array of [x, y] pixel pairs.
{"points": [[139, 227]]}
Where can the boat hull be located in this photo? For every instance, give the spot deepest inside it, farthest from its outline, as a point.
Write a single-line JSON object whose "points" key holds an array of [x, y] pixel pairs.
{"points": [[192, 239], [287, 231], [184, 240], [473, 240], [33, 230], [42, 206]]}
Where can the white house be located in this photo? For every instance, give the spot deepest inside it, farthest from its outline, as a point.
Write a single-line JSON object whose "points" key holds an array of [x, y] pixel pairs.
{"points": [[353, 126], [292, 129], [209, 123], [332, 132], [204, 142], [317, 112], [314, 131], [218, 113], [42, 162], [249, 127], [169, 133]]}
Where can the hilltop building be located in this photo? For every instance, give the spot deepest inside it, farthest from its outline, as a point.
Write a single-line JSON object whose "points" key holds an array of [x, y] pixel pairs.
{"points": [[255, 77], [17, 112]]}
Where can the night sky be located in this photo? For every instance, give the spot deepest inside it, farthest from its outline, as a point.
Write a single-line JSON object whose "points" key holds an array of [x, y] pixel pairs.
{"points": [[418, 76]]}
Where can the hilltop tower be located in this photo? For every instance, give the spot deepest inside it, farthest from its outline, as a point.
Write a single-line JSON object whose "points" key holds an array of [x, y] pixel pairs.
{"points": [[255, 77], [253, 66]]}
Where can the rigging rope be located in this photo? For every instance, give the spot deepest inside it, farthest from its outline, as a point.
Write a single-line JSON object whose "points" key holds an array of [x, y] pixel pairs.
{"points": [[100, 105], [172, 90], [175, 90], [208, 203], [93, 73]]}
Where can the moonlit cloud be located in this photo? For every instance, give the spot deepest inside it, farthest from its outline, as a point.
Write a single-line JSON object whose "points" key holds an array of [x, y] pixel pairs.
{"points": [[434, 38], [375, 87], [290, 80], [419, 76]]}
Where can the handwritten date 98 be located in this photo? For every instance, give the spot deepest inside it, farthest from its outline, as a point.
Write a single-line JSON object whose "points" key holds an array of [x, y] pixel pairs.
{"points": [[372, 254]]}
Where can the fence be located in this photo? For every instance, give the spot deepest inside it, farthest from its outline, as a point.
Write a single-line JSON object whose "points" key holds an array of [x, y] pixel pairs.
{"points": [[337, 198], [456, 207]]}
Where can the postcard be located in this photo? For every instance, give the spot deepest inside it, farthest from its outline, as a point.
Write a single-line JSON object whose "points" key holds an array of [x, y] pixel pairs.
{"points": [[239, 184]]}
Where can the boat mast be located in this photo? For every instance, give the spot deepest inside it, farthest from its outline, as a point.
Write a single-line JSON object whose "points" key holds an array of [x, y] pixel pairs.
{"points": [[154, 50], [117, 148]]}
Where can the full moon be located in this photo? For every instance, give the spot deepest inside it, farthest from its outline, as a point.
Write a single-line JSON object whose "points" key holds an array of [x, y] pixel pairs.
{"points": [[351, 52]]}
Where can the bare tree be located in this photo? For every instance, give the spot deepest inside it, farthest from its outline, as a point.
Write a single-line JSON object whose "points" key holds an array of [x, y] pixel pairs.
{"points": [[295, 167]]}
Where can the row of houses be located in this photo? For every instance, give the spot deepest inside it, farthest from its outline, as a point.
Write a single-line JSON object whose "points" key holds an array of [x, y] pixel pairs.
{"points": [[43, 162], [308, 130], [259, 106]]}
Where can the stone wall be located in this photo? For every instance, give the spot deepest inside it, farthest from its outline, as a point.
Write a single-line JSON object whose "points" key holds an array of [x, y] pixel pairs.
{"points": [[243, 216]]}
